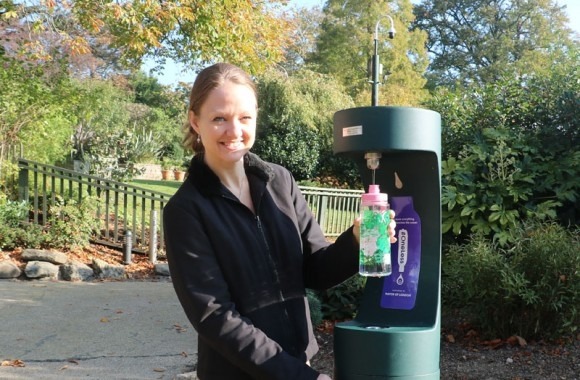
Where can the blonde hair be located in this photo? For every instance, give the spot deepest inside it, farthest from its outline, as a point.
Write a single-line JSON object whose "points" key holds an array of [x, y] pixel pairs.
{"points": [[208, 79]]}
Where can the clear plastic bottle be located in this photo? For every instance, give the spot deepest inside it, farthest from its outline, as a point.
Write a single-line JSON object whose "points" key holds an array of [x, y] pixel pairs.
{"points": [[375, 245]]}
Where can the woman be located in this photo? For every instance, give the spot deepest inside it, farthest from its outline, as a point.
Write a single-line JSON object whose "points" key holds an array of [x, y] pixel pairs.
{"points": [[242, 245]]}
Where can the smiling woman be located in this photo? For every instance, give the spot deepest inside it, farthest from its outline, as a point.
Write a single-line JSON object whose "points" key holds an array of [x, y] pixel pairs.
{"points": [[242, 244]]}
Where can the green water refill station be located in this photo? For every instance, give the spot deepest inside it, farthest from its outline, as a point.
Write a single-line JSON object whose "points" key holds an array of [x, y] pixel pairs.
{"points": [[396, 332]]}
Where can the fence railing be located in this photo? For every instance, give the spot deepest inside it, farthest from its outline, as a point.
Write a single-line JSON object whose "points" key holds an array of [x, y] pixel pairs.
{"points": [[122, 207], [334, 209]]}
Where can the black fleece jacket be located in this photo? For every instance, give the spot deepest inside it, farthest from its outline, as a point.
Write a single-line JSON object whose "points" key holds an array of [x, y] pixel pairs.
{"points": [[241, 277]]}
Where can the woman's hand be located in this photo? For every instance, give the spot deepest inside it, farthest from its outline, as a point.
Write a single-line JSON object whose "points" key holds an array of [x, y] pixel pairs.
{"points": [[390, 228]]}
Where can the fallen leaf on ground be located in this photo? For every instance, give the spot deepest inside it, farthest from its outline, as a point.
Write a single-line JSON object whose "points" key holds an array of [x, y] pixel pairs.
{"points": [[159, 369], [104, 319], [494, 344], [179, 328], [515, 340], [12, 363]]}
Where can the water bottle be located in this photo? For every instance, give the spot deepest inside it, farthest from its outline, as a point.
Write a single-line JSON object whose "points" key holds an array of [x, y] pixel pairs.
{"points": [[375, 244]]}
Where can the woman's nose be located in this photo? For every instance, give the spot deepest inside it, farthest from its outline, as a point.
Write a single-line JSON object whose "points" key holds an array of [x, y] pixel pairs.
{"points": [[234, 128]]}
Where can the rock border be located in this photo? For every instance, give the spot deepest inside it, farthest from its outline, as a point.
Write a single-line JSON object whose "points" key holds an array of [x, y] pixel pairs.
{"points": [[53, 265]]}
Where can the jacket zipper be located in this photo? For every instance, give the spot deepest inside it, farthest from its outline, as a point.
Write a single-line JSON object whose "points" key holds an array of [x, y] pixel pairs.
{"points": [[270, 259], [269, 256], [274, 270]]}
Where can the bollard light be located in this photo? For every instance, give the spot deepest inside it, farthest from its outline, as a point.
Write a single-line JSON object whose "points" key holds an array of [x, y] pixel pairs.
{"points": [[127, 247], [153, 237]]}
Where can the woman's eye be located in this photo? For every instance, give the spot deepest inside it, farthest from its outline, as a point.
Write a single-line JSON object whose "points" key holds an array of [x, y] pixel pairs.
{"points": [[219, 118]]}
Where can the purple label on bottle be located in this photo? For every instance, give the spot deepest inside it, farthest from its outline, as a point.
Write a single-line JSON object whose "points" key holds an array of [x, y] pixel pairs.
{"points": [[400, 288]]}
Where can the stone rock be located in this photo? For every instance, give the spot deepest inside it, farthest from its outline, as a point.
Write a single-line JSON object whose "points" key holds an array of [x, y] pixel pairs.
{"points": [[42, 255], [162, 269], [9, 270], [186, 376], [76, 271], [102, 269], [41, 270]]}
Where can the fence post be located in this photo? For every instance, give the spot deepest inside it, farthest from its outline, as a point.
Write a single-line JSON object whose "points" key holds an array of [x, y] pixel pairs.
{"points": [[153, 237], [322, 211], [23, 180]]}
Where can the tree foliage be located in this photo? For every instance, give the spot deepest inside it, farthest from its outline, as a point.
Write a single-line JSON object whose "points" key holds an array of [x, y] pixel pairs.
{"points": [[160, 111], [511, 152], [475, 41], [38, 32], [295, 120], [33, 112], [249, 33], [345, 44], [305, 29]]}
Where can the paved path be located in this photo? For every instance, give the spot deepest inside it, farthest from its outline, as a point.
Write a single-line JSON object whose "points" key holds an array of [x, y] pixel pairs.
{"points": [[94, 330]]}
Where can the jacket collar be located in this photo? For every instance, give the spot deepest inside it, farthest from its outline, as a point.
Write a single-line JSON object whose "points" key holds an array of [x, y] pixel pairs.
{"points": [[208, 182]]}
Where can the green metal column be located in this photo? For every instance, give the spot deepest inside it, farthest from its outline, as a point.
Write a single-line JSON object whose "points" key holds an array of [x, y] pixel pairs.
{"points": [[390, 342]]}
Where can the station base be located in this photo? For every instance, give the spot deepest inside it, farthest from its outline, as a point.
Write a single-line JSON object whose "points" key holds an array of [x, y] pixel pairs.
{"points": [[373, 353]]}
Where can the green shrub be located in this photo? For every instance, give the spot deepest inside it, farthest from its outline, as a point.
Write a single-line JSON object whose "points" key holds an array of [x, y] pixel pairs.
{"points": [[341, 302], [530, 288], [27, 235], [315, 307], [15, 231], [12, 213], [501, 180], [71, 223]]}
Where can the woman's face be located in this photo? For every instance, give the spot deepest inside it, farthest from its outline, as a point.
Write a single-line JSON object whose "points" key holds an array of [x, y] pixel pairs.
{"points": [[226, 123]]}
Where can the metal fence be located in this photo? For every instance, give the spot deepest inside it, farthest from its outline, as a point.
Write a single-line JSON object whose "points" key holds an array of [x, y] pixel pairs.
{"points": [[122, 207], [334, 209]]}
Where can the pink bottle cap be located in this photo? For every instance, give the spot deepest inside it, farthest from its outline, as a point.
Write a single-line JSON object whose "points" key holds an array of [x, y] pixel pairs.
{"points": [[374, 195]]}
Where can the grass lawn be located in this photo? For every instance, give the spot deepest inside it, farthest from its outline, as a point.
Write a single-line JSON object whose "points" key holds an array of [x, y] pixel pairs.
{"points": [[166, 187]]}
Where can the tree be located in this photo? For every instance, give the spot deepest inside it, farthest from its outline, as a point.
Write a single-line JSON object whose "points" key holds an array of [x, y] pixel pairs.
{"points": [[345, 44], [295, 123], [250, 33], [33, 112], [475, 41], [160, 112], [305, 29], [40, 35]]}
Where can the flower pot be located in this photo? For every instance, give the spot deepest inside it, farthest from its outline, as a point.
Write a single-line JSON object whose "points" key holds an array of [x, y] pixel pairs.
{"points": [[165, 174], [179, 175]]}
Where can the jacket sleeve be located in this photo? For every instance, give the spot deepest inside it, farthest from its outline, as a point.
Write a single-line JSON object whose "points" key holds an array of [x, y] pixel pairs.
{"points": [[205, 298], [325, 264]]}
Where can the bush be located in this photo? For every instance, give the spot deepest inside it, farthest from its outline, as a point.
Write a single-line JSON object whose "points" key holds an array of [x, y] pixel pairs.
{"points": [[502, 180], [531, 288], [315, 307], [71, 223], [12, 213], [15, 231], [341, 302]]}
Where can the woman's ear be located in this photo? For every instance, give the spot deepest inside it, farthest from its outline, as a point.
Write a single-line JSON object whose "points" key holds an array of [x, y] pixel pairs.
{"points": [[193, 122]]}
